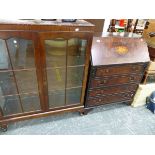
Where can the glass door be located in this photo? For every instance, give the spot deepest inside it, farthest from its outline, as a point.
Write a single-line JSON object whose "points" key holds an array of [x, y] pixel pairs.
{"points": [[75, 69], [56, 71], [18, 75], [65, 65]]}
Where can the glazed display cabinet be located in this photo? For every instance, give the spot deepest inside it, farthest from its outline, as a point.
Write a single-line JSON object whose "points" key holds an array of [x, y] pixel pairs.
{"points": [[43, 68]]}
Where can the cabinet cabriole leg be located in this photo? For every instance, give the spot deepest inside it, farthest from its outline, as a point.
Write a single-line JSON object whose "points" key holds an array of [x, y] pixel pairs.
{"points": [[3, 127], [85, 112]]}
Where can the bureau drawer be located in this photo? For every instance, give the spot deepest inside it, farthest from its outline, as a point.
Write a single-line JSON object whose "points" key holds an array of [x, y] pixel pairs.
{"points": [[115, 80], [127, 69], [111, 90], [110, 99]]}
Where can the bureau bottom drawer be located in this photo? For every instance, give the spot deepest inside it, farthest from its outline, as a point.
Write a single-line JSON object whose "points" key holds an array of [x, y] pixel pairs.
{"points": [[112, 90], [110, 99]]}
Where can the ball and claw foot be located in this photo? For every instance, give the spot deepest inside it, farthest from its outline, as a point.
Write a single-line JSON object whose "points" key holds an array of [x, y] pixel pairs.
{"points": [[85, 112], [3, 128]]}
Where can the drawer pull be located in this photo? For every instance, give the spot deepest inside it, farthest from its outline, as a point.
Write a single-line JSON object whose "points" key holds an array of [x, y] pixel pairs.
{"points": [[132, 78], [131, 95], [100, 100], [107, 70], [104, 81], [126, 95], [135, 68], [102, 91]]}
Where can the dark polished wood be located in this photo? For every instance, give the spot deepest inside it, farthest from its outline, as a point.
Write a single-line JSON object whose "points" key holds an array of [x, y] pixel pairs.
{"points": [[115, 80], [126, 69], [132, 48], [111, 90], [117, 67], [112, 98], [38, 31], [40, 114], [38, 62], [40, 25]]}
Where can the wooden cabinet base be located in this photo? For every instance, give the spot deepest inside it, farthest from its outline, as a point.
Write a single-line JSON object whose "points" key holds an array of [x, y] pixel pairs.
{"points": [[3, 127], [5, 121], [85, 111]]}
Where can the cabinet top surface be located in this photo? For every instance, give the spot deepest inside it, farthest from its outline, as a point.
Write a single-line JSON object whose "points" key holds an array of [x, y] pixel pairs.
{"points": [[38, 24], [118, 50]]}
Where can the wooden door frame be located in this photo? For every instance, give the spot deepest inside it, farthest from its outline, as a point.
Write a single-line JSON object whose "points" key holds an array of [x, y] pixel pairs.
{"points": [[29, 35], [66, 35], [37, 38]]}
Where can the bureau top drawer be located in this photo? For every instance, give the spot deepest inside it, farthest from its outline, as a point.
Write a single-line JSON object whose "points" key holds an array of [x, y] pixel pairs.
{"points": [[111, 70], [115, 80]]}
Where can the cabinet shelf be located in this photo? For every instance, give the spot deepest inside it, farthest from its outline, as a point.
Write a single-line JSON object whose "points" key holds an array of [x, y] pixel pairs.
{"points": [[29, 93], [67, 88], [17, 70], [65, 67]]}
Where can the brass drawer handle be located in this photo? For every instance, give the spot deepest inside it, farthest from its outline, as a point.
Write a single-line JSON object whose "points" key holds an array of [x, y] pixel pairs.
{"points": [[132, 94], [126, 95], [104, 81], [132, 78], [107, 70], [100, 93], [135, 68], [99, 100], [129, 95]]}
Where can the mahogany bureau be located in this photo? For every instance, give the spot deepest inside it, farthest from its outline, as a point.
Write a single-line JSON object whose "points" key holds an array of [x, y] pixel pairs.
{"points": [[117, 67]]}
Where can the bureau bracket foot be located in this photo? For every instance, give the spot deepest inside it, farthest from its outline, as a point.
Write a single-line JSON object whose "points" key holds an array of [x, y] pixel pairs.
{"points": [[3, 127], [128, 103]]}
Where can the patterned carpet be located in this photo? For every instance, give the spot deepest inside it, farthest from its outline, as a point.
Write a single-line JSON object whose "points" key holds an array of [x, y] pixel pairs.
{"points": [[116, 119]]}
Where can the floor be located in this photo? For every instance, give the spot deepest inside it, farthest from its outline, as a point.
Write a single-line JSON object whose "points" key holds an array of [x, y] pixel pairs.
{"points": [[115, 119]]}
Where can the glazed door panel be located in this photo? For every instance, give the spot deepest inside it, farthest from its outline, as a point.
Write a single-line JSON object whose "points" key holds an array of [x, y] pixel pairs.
{"points": [[64, 70], [19, 71]]}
